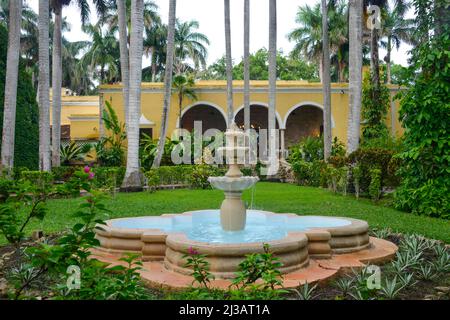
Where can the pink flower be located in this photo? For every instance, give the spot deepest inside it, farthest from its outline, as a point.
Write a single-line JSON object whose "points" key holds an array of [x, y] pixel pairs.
{"points": [[192, 251], [87, 169], [91, 175]]}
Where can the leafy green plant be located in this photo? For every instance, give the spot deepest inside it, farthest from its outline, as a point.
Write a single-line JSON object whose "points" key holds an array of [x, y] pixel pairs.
{"points": [[343, 179], [375, 104], [200, 267], [25, 202], [99, 281], [74, 152], [110, 149], [425, 186], [375, 184], [258, 266]]}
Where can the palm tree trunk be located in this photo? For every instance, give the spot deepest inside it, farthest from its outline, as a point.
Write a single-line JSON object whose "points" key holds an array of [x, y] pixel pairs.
{"points": [[167, 82], [229, 62], [153, 53], [388, 61], [124, 59], [326, 84], [355, 74], [132, 180], [374, 57], [44, 99], [247, 65], [272, 80], [12, 75], [56, 86]]}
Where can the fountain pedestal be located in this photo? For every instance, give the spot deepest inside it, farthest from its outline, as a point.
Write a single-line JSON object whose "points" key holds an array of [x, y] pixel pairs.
{"points": [[233, 212]]}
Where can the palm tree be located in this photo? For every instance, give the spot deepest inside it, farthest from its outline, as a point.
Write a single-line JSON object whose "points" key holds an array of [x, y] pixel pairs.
{"points": [[326, 84], [183, 87], [396, 29], [111, 16], [155, 47], [247, 65], [102, 55], [12, 75], [44, 99], [57, 6], [191, 45], [355, 74], [167, 82], [308, 37], [132, 180], [272, 76], [229, 62]]}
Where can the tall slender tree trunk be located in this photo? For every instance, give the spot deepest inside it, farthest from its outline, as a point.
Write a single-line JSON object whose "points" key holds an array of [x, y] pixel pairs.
{"points": [[388, 61], [44, 94], [247, 65], [124, 58], [133, 179], [326, 83], [229, 62], [167, 82], [153, 53], [374, 57], [12, 75], [272, 81], [321, 68], [355, 74], [56, 86]]}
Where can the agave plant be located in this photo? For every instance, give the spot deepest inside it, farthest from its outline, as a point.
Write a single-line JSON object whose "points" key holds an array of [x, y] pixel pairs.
{"points": [[442, 263], [406, 260], [74, 152], [345, 285], [381, 233], [416, 243], [426, 272], [391, 288], [407, 280], [306, 291]]}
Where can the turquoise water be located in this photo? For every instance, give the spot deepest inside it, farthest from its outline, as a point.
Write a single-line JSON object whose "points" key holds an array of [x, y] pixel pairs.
{"points": [[204, 226]]}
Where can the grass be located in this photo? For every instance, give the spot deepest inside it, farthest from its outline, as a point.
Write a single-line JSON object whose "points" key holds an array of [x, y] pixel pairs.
{"points": [[276, 197]]}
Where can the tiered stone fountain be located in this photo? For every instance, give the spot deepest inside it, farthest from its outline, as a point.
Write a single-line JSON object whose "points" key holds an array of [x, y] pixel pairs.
{"points": [[228, 235], [233, 213]]}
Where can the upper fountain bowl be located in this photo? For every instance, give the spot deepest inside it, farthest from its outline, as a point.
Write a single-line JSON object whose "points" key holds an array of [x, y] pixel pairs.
{"points": [[233, 184]]}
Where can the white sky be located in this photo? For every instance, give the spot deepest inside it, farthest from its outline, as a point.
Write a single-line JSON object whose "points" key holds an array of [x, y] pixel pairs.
{"points": [[209, 13]]}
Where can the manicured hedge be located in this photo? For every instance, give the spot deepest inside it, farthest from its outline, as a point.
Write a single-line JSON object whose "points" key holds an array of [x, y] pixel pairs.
{"points": [[26, 153]]}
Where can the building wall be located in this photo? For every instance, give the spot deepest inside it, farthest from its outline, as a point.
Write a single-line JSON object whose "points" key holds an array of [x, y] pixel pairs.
{"points": [[290, 95]]}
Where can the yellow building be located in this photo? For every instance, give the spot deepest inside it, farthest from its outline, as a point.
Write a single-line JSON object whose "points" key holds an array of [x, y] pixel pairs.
{"points": [[299, 109], [79, 117]]}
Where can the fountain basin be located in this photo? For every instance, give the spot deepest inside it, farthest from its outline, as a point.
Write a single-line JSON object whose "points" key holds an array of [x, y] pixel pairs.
{"points": [[168, 237], [231, 184]]}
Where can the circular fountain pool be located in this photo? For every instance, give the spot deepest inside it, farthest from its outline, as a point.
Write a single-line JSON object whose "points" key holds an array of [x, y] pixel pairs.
{"points": [[204, 226]]}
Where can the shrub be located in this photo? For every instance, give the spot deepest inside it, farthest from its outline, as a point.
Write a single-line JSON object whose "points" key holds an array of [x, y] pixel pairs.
{"points": [[26, 148], [108, 177], [368, 159], [375, 184], [357, 175], [63, 173]]}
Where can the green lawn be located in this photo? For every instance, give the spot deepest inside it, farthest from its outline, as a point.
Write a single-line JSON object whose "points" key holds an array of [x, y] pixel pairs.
{"points": [[276, 197]]}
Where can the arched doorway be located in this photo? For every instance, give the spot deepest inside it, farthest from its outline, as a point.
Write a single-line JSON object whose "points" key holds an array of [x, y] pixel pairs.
{"points": [[303, 121], [210, 116], [259, 117]]}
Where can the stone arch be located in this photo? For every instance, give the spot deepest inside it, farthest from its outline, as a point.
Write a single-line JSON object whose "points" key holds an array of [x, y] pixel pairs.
{"points": [[211, 115], [259, 113], [303, 120]]}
